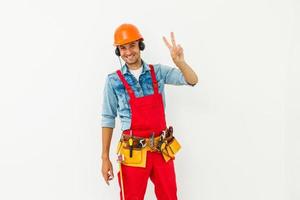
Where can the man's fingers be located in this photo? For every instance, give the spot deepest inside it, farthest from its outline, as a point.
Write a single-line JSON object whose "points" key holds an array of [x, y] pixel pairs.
{"points": [[105, 176], [180, 49], [167, 43], [109, 176], [112, 173], [173, 39]]}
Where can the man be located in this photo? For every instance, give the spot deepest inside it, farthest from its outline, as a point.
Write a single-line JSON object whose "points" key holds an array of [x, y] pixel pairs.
{"points": [[136, 93]]}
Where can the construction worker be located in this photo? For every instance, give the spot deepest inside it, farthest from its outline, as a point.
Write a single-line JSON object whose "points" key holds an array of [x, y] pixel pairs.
{"points": [[136, 92]]}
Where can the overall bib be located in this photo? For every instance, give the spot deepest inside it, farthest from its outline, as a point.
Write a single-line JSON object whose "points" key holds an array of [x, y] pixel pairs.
{"points": [[147, 119]]}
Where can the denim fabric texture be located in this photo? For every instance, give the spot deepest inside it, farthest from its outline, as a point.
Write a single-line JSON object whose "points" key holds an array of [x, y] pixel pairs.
{"points": [[115, 97]]}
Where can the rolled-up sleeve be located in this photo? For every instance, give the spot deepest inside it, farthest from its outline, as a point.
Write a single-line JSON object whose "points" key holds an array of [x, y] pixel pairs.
{"points": [[109, 105], [172, 75]]}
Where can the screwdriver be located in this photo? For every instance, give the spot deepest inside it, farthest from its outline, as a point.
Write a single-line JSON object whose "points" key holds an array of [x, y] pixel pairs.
{"points": [[130, 141]]}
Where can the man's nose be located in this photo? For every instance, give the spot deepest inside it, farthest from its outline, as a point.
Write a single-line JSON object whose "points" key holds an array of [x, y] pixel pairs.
{"points": [[128, 51]]}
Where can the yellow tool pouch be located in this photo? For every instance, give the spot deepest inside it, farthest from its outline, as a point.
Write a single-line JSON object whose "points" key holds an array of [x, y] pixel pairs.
{"points": [[171, 149], [138, 158]]}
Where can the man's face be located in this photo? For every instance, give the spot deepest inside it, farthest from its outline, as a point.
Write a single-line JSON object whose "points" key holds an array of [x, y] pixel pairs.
{"points": [[130, 52]]}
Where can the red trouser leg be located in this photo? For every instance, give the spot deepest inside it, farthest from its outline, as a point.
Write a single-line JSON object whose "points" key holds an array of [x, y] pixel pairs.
{"points": [[134, 181], [164, 179], [161, 173]]}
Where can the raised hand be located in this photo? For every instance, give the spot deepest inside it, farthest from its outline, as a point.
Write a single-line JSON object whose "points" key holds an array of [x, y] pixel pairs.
{"points": [[176, 51]]}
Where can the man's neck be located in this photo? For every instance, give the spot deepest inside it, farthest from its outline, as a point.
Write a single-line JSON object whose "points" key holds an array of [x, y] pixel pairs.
{"points": [[136, 65]]}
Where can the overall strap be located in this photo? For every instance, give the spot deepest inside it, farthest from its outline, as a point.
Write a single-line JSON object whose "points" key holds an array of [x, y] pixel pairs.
{"points": [[125, 83], [154, 81]]}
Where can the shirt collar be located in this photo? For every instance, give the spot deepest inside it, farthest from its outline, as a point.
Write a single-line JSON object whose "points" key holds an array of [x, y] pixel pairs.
{"points": [[125, 70]]}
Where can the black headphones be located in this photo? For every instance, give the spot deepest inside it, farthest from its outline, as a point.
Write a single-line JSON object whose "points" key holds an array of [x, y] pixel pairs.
{"points": [[141, 46]]}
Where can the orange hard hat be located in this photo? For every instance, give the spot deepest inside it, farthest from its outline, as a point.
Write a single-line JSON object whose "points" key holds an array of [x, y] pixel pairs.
{"points": [[126, 33]]}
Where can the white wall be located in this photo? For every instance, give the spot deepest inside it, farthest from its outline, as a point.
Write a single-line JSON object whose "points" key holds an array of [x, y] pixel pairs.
{"points": [[238, 126]]}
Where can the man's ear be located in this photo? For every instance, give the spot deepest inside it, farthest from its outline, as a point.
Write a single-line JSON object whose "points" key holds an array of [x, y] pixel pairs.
{"points": [[117, 51]]}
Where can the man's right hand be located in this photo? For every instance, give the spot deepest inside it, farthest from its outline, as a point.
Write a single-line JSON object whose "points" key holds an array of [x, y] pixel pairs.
{"points": [[107, 170]]}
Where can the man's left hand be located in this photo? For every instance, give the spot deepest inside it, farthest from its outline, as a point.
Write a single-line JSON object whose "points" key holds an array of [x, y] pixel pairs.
{"points": [[176, 51]]}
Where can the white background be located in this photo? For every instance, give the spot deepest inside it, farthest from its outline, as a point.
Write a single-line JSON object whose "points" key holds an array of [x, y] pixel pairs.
{"points": [[238, 126]]}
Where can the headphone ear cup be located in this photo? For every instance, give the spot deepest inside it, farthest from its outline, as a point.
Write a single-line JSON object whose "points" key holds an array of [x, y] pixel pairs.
{"points": [[141, 45], [117, 51]]}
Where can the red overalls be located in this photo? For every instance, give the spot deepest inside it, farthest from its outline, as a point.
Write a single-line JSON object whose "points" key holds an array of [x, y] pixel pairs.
{"points": [[147, 117]]}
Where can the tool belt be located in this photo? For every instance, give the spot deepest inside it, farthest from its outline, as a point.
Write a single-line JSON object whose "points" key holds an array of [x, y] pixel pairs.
{"points": [[134, 149]]}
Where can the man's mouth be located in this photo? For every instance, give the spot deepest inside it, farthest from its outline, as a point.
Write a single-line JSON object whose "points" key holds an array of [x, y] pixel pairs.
{"points": [[130, 57]]}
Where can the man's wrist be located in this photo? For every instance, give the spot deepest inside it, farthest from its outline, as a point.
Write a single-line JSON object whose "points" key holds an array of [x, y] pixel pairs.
{"points": [[105, 157], [180, 64]]}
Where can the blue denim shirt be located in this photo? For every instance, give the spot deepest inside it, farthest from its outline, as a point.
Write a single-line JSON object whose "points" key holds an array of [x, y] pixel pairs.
{"points": [[115, 97]]}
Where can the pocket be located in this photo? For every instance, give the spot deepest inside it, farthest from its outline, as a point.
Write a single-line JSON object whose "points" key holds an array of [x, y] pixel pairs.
{"points": [[171, 149], [138, 158], [174, 146]]}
